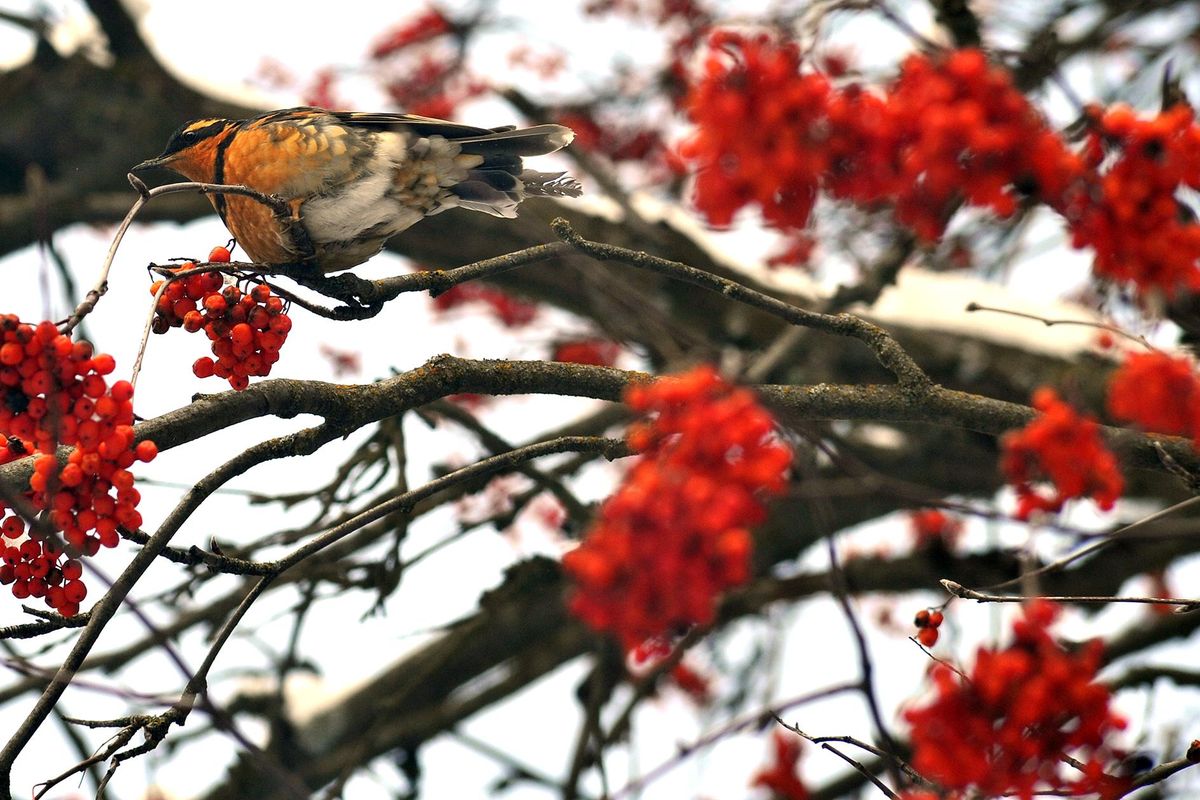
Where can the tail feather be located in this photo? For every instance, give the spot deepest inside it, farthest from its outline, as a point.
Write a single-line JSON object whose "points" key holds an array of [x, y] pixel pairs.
{"points": [[497, 182], [480, 196], [536, 141], [550, 184], [505, 180]]}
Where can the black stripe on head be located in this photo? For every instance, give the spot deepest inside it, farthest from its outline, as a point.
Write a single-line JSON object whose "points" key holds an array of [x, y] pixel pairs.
{"points": [[192, 132]]}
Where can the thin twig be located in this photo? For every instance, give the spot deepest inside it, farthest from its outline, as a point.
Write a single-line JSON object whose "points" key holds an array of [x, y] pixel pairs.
{"points": [[589, 730], [145, 195], [1049, 323], [909, 375], [145, 341], [756, 720], [646, 684], [302, 443], [960, 591], [1100, 544], [824, 742], [612, 448]]}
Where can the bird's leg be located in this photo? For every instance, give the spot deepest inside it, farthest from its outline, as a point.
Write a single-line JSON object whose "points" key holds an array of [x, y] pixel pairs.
{"points": [[287, 214]]}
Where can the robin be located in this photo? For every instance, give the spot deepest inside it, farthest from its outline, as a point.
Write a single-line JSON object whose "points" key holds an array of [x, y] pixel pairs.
{"points": [[353, 180]]}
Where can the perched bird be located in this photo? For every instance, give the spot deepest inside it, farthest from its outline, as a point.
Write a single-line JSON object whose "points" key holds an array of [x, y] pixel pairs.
{"points": [[353, 180]]}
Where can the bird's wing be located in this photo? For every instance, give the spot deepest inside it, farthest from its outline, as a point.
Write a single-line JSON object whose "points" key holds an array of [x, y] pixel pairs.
{"points": [[423, 126], [505, 140]]}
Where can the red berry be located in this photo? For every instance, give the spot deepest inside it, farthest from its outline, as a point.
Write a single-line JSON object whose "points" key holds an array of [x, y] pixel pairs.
{"points": [[194, 286], [242, 335], [122, 391], [180, 308], [74, 591], [203, 367], [259, 318], [215, 305], [146, 450], [219, 254]]}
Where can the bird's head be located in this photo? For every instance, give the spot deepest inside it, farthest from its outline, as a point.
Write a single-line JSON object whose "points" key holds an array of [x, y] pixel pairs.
{"points": [[192, 150]]}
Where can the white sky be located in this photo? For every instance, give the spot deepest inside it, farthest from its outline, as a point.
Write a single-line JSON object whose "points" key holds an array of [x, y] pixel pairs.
{"points": [[218, 48]]}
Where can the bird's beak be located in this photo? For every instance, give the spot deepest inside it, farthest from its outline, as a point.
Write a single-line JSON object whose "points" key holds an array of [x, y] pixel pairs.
{"points": [[151, 162]]}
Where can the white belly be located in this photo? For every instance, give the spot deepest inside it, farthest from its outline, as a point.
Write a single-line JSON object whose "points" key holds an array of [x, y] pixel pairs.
{"points": [[367, 203]]}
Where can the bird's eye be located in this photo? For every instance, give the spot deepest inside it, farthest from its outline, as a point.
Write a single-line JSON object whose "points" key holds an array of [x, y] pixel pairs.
{"points": [[189, 138]]}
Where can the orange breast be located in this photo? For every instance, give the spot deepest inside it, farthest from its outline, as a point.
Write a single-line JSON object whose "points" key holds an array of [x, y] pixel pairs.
{"points": [[256, 230], [290, 159], [268, 160]]}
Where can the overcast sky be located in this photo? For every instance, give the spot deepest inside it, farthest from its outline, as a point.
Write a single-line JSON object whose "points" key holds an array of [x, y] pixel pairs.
{"points": [[219, 45]]}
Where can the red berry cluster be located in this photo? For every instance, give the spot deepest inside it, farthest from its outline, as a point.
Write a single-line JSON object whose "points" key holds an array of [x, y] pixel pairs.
{"points": [[1006, 728], [427, 25], [780, 777], [597, 352], [927, 623], [619, 137], [951, 128], [343, 362], [433, 84], [692, 682], [321, 91], [247, 329], [1064, 447], [675, 534], [646, 656], [1158, 392], [932, 527], [965, 131], [418, 64], [512, 312], [1129, 214], [54, 392], [36, 568], [795, 250], [760, 130]]}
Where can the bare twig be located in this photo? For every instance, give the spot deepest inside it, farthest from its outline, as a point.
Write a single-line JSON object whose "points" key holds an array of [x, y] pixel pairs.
{"points": [[145, 195], [911, 378], [1049, 323], [756, 720], [1102, 543], [303, 442], [958, 590], [825, 743]]}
